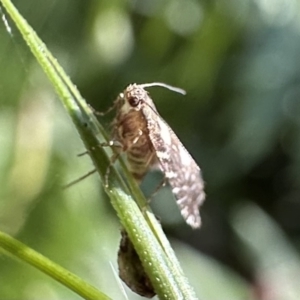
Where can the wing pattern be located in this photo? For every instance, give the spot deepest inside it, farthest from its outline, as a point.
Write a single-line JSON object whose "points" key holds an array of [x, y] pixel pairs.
{"points": [[178, 166]]}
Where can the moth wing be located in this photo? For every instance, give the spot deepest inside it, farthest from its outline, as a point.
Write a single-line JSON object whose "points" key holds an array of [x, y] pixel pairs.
{"points": [[178, 166]]}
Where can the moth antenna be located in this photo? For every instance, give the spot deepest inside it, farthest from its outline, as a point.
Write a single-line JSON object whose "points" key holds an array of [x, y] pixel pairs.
{"points": [[167, 86]]}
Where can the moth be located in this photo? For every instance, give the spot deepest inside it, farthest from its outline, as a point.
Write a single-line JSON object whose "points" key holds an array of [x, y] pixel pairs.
{"points": [[149, 142]]}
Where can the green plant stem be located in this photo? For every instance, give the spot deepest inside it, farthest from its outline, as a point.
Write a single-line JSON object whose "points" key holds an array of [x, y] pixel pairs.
{"points": [[150, 243], [26, 254]]}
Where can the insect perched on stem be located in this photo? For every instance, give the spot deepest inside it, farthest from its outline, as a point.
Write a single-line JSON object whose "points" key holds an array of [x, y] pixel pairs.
{"points": [[149, 142]]}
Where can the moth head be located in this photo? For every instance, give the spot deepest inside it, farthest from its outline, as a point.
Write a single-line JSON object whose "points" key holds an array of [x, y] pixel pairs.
{"points": [[135, 96], [134, 101]]}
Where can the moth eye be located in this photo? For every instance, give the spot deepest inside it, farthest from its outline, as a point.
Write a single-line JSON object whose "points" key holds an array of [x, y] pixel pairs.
{"points": [[133, 101]]}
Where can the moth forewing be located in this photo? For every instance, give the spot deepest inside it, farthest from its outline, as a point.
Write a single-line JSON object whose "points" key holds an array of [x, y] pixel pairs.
{"points": [[180, 169], [148, 140]]}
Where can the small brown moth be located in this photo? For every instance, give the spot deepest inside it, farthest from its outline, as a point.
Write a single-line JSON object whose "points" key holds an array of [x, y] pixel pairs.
{"points": [[149, 142]]}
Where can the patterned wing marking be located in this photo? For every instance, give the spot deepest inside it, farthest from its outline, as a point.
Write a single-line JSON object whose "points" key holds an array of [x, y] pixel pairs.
{"points": [[182, 172]]}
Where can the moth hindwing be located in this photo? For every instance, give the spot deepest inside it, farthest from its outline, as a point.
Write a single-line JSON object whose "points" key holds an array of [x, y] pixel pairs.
{"points": [[149, 142]]}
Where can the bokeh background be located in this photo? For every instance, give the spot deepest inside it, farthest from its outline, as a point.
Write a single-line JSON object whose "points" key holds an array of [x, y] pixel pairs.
{"points": [[239, 62]]}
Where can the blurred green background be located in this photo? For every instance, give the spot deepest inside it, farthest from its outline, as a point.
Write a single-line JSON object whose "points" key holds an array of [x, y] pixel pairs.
{"points": [[239, 63]]}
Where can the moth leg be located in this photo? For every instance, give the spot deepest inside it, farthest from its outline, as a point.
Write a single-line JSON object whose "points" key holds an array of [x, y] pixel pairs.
{"points": [[112, 160], [111, 163], [79, 179], [85, 152], [114, 157], [98, 113], [111, 143], [160, 185], [106, 144]]}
